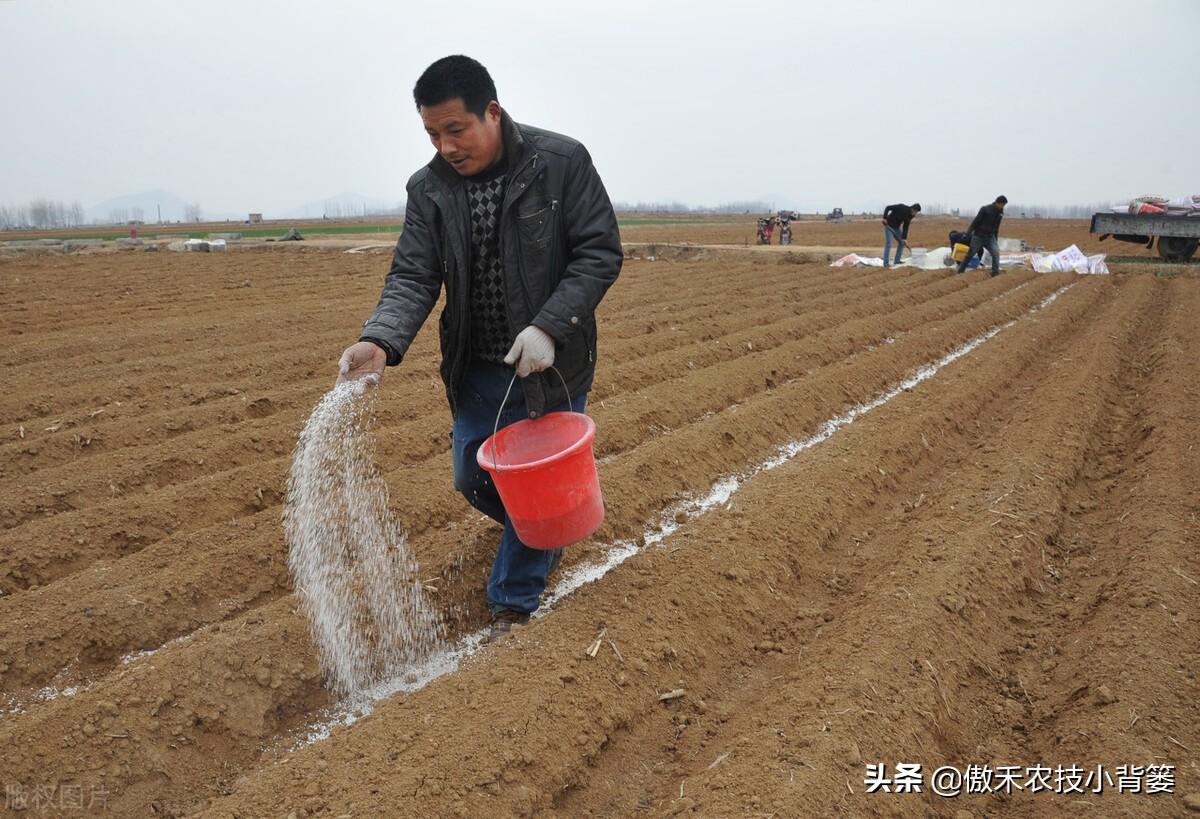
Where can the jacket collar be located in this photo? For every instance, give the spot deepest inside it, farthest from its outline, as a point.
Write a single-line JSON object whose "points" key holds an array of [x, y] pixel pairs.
{"points": [[515, 151]]}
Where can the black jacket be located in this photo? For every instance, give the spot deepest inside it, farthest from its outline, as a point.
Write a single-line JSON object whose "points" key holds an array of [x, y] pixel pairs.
{"points": [[897, 215], [560, 250], [987, 221]]}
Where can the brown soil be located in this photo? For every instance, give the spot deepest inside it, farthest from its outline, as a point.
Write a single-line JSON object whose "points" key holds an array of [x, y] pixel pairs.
{"points": [[997, 566]]}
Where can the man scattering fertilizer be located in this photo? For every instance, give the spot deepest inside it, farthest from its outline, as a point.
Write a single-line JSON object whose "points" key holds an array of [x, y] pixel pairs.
{"points": [[514, 222]]}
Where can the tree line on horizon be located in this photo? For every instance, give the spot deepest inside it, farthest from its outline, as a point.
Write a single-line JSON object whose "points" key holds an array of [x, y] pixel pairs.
{"points": [[48, 214], [44, 214]]}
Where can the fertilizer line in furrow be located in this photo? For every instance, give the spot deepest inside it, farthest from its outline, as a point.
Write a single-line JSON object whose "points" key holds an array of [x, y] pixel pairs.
{"points": [[827, 345], [1058, 401], [655, 532]]}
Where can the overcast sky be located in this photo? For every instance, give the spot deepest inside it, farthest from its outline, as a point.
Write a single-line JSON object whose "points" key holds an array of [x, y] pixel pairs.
{"points": [[267, 105]]}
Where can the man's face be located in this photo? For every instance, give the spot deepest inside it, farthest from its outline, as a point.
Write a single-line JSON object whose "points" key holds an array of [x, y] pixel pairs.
{"points": [[469, 143], [1001, 205]]}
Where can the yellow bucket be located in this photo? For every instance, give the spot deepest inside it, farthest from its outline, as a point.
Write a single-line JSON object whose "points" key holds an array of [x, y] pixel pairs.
{"points": [[961, 251]]}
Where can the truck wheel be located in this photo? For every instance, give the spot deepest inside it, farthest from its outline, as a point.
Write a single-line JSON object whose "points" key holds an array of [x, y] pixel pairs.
{"points": [[1176, 248]]}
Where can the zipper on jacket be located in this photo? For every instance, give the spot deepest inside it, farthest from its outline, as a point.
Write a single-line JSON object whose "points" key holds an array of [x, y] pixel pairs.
{"points": [[532, 165]]}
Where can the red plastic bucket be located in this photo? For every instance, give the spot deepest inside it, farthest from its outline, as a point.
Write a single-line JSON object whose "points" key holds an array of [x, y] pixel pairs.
{"points": [[546, 475]]}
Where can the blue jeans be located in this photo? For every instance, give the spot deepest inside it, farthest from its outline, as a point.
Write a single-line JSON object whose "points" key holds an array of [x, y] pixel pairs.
{"points": [[890, 233], [518, 572], [979, 243]]}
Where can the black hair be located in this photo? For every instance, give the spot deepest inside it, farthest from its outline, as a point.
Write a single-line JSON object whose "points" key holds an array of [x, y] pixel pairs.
{"points": [[916, 206], [1002, 200], [456, 77]]}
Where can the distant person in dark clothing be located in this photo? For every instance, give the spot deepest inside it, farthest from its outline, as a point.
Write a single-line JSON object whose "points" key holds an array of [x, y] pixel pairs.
{"points": [[896, 219], [985, 231]]}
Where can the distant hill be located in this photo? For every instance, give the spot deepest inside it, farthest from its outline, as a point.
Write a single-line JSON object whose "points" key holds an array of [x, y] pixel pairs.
{"points": [[342, 205], [148, 204]]}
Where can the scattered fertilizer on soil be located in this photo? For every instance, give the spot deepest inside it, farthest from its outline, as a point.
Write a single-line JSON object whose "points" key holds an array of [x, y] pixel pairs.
{"points": [[349, 557]]}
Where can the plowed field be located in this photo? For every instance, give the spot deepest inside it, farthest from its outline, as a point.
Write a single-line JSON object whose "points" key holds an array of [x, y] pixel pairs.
{"points": [[854, 517]]}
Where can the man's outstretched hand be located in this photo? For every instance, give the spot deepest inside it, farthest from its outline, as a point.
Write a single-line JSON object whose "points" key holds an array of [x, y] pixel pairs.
{"points": [[362, 360], [532, 352]]}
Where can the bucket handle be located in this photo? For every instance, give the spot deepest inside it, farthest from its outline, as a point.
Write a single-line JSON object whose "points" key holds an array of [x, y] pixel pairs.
{"points": [[508, 392]]}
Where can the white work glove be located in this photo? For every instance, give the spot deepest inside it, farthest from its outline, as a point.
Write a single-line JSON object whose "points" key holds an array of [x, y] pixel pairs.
{"points": [[532, 352], [362, 360]]}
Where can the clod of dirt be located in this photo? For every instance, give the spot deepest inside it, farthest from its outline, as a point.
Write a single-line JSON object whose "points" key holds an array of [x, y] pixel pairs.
{"points": [[682, 805], [1192, 801], [260, 407], [1105, 696], [952, 603], [768, 645]]}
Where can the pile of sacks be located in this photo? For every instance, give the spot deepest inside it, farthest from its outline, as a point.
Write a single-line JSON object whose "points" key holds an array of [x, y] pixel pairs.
{"points": [[1065, 261], [1151, 205], [1068, 260]]}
